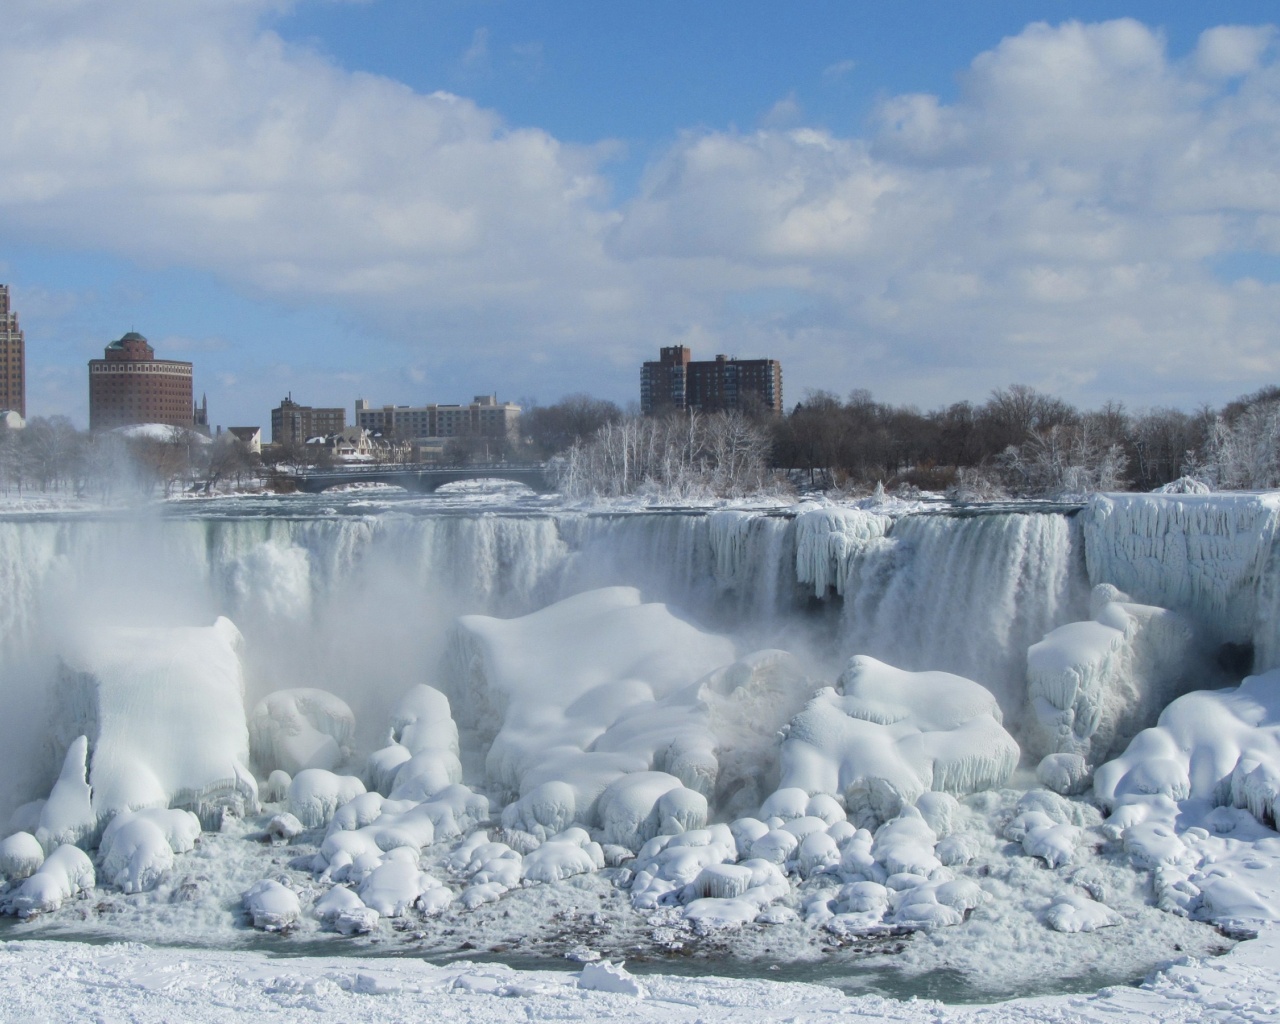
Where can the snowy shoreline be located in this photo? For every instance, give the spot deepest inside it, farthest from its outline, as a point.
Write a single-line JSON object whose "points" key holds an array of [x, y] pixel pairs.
{"points": [[144, 984]]}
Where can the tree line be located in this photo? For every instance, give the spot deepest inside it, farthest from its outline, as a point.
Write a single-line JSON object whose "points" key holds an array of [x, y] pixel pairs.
{"points": [[1020, 442]]}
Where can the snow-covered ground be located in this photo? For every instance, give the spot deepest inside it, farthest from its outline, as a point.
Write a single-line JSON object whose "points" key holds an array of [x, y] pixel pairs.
{"points": [[141, 984]]}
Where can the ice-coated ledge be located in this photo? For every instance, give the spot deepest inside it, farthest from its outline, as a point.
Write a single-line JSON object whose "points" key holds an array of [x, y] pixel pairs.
{"points": [[136, 982]]}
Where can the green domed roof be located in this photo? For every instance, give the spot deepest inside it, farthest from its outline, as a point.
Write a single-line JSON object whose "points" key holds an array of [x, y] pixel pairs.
{"points": [[131, 336]]}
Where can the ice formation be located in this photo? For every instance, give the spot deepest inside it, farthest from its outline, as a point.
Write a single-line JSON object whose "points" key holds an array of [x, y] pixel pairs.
{"points": [[300, 728], [421, 757], [582, 693], [66, 872], [1093, 685], [887, 736], [1216, 746], [161, 715], [622, 742], [138, 847], [1213, 557]]}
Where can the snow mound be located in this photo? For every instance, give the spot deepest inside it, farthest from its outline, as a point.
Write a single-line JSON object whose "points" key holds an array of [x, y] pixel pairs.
{"points": [[20, 856], [162, 715], [66, 872], [138, 847], [315, 794], [1092, 685], [887, 736], [296, 729], [582, 693], [272, 907], [1218, 746], [421, 757]]}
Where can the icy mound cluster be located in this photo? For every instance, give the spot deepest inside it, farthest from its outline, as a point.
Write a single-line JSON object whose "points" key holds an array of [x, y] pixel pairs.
{"points": [[149, 718], [421, 755], [291, 730], [1217, 746], [884, 737], [1092, 685], [580, 695]]}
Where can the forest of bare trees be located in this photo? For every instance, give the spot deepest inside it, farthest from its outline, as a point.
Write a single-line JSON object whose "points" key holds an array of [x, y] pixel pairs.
{"points": [[1020, 442]]}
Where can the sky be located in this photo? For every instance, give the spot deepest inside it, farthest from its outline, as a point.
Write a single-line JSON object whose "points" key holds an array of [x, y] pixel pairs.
{"points": [[414, 201]]}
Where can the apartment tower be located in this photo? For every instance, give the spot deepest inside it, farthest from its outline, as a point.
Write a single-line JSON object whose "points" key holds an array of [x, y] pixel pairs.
{"points": [[13, 359]]}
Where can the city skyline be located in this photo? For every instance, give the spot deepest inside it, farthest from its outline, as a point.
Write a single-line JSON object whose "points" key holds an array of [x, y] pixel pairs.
{"points": [[434, 202]]}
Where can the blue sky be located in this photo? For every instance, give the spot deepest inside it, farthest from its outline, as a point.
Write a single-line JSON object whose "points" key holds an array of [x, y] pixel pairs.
{"points": [[422, 201]]}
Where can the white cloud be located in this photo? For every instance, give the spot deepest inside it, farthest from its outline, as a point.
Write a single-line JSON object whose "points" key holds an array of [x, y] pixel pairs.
{"points": [[1056, 224]]}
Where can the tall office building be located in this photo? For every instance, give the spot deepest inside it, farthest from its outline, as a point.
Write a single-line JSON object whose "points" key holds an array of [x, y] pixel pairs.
{"points": [[13, 359], [677, 381], [130, 385]]}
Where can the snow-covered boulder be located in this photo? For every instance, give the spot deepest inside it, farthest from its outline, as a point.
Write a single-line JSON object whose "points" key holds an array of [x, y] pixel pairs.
{"points": [[301, 728], [65, 872], [581, 693], [1093, 685], [421, 757], [886, 736], [1219, 746], [20, 856], [315, 794], [271, 906], [138, 847], [162, 711]]}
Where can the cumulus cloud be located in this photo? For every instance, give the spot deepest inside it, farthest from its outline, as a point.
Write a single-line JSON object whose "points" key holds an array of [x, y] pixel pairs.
{"points": [[1058, 223]]}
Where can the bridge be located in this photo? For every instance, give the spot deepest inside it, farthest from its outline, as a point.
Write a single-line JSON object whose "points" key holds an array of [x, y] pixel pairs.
{"points": [[423, 479]]}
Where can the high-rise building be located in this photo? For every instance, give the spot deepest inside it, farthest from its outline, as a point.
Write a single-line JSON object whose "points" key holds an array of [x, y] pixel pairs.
{"points": [[676, 381], [13, 359], [292, 423], [130, 385]]}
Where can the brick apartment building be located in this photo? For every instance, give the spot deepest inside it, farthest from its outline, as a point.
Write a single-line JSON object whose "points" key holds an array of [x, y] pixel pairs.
{"points": [[130, 385], [292, 423], [676, 381]]}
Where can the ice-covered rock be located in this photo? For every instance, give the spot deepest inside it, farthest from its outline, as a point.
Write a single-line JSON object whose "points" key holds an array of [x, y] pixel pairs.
{"points": [[292, 730], [887, 736], [421, 757], [396, 884], [1073, 913], [65, 872], [641, 805], [315, 794], [138, 847], [272, 907], [1219, 746], [20, 856], [582, 693], [829, 539], [572, 852], [68, 815], [1093, 685], [163, 713], [1066, 774]]}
